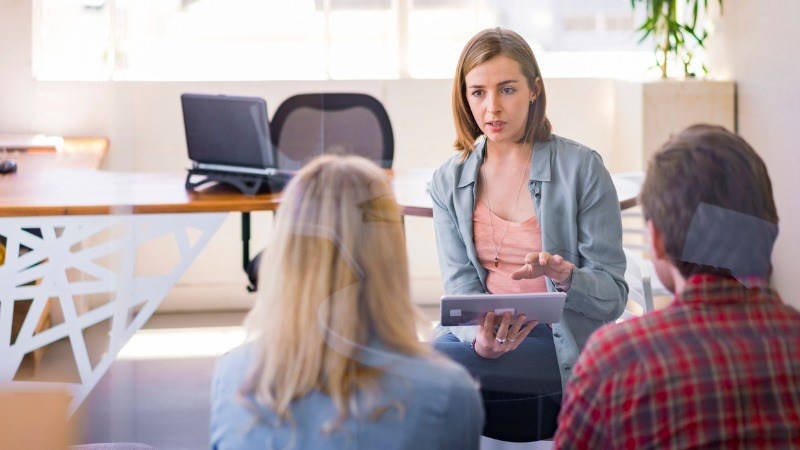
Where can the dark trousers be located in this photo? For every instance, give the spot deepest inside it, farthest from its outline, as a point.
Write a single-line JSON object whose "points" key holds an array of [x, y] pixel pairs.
{"points": [[521, 390]]}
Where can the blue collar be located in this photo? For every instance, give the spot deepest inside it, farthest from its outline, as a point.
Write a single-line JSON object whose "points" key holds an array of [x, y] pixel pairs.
{"points": [[540, 162]]}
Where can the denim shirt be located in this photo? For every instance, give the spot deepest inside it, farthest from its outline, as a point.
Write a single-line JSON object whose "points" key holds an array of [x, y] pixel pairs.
{"points": [[578, 212], [430, 402]]}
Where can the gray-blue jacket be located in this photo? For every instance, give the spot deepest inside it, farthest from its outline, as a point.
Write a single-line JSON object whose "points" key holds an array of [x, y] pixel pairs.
{"points": [[578, 212]]}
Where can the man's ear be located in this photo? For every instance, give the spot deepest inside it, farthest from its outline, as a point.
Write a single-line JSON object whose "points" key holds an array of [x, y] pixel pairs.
{"points": [[657, 247]]}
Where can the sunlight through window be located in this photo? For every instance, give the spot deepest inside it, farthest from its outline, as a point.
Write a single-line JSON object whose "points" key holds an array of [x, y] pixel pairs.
{"points": [[188, 40]]}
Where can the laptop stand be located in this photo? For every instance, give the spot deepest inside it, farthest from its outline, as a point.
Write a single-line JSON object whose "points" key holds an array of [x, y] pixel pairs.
{"points": [[249, 184]]}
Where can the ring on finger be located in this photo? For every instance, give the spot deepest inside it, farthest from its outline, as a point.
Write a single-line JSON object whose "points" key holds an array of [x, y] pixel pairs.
{"points": [[500, 340]]}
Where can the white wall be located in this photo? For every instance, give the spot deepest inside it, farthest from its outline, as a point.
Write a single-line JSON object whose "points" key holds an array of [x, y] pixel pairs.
{"points": [[756, 45]]}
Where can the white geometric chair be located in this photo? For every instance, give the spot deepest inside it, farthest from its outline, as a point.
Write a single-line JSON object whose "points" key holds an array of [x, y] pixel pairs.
{"points": [[638, 276], [636, 239]]}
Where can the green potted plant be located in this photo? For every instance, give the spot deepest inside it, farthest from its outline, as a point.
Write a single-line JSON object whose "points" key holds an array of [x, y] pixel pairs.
{"points": [[647, 111], [675, 34]]}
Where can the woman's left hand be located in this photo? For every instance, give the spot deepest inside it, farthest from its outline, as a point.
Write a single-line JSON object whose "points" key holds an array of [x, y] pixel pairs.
{"points": [[537, 264], [509, 334]]}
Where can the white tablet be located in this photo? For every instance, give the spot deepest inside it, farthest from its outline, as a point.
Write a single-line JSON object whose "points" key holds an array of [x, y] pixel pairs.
{"points": [[461, 310]]}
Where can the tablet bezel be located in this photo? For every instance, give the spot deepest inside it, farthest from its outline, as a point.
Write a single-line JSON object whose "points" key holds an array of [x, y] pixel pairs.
{"points": [[543, 307]]}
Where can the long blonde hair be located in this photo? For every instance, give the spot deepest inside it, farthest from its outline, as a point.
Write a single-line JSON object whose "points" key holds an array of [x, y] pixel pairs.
{"points": [[333, 279]]}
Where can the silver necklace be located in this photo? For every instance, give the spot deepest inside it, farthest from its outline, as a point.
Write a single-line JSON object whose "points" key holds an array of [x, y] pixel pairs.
{"points": [[498, 247]]}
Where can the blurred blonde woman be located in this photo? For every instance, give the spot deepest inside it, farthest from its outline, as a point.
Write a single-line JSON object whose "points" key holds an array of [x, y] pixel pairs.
{"points": [[333, 359]]}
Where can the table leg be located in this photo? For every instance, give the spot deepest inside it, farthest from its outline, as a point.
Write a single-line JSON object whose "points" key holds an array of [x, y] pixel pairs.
{"points": [[246, 246], [36, 267]]}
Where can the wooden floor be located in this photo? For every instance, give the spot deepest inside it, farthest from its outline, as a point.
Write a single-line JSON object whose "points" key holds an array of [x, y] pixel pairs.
{"points": [[163, 402]]}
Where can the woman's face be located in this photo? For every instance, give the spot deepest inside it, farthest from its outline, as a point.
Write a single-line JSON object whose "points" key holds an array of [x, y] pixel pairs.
{"points": [[499, 98]]}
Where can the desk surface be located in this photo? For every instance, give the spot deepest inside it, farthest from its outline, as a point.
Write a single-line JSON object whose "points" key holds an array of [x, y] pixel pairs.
{"points": [[68, 185]]}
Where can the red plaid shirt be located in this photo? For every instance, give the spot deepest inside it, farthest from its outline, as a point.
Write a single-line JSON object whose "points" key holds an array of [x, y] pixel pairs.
{"points": [[719, 367]]}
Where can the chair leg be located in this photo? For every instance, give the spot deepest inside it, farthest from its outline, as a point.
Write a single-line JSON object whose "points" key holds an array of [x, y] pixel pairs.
{"points": [[246, 247], [648, 295]]}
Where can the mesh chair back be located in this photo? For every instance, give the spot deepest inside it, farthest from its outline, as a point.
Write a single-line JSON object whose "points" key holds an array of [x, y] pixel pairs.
{"points": [[308, 125]]}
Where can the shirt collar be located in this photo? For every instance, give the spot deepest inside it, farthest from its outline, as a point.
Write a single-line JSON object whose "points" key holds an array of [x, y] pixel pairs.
{"points": [[540, 162], [717, 289]]}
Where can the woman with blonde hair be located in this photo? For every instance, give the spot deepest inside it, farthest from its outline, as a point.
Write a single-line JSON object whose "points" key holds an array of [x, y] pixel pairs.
{"points": [[520, 209], [333, 359]]}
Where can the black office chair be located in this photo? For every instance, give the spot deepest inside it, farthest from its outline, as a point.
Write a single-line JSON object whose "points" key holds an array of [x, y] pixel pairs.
{"points": [[308, 125]]}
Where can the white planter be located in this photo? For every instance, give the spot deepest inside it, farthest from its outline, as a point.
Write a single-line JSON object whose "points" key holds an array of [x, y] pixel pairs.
{"points": [[647, 113]]}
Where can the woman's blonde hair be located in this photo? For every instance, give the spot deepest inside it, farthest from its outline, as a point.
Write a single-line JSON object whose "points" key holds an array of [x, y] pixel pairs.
{"points": [[482, 47], [333, 281]]}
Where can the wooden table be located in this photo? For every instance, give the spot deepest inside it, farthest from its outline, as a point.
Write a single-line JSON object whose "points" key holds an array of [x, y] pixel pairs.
{"points": [[48, 191], [40, 189]]}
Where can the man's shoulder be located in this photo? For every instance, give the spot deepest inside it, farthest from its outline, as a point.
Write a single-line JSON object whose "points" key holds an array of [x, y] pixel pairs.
{"points": [[625, 342]]}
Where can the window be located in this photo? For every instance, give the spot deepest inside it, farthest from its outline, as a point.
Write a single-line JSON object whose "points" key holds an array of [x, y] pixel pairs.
{"points": [[71, 41], [319, 39]]}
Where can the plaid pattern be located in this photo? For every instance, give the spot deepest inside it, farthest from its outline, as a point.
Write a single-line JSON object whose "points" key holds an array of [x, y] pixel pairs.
{"points": [[718, 368]]}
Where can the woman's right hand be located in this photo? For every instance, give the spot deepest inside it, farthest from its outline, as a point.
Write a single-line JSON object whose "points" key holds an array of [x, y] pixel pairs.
{"points": [[493, 344]]}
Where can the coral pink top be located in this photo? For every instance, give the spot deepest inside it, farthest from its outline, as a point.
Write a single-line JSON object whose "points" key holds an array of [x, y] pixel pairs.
{"points": [[520, 239]]}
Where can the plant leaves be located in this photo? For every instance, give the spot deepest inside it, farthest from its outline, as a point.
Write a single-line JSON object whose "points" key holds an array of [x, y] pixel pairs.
{"points": [[672, 34], [645, 35], [697, 38]]}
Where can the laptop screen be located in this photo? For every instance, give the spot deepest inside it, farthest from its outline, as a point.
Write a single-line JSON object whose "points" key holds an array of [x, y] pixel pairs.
{"points": [[227, 131]]}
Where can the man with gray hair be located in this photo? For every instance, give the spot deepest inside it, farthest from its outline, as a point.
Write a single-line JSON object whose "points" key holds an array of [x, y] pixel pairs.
{"points": [[719, 366]]}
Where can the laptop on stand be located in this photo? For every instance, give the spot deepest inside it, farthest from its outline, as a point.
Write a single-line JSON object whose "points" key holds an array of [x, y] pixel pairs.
{"points": [[228, 140]]}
